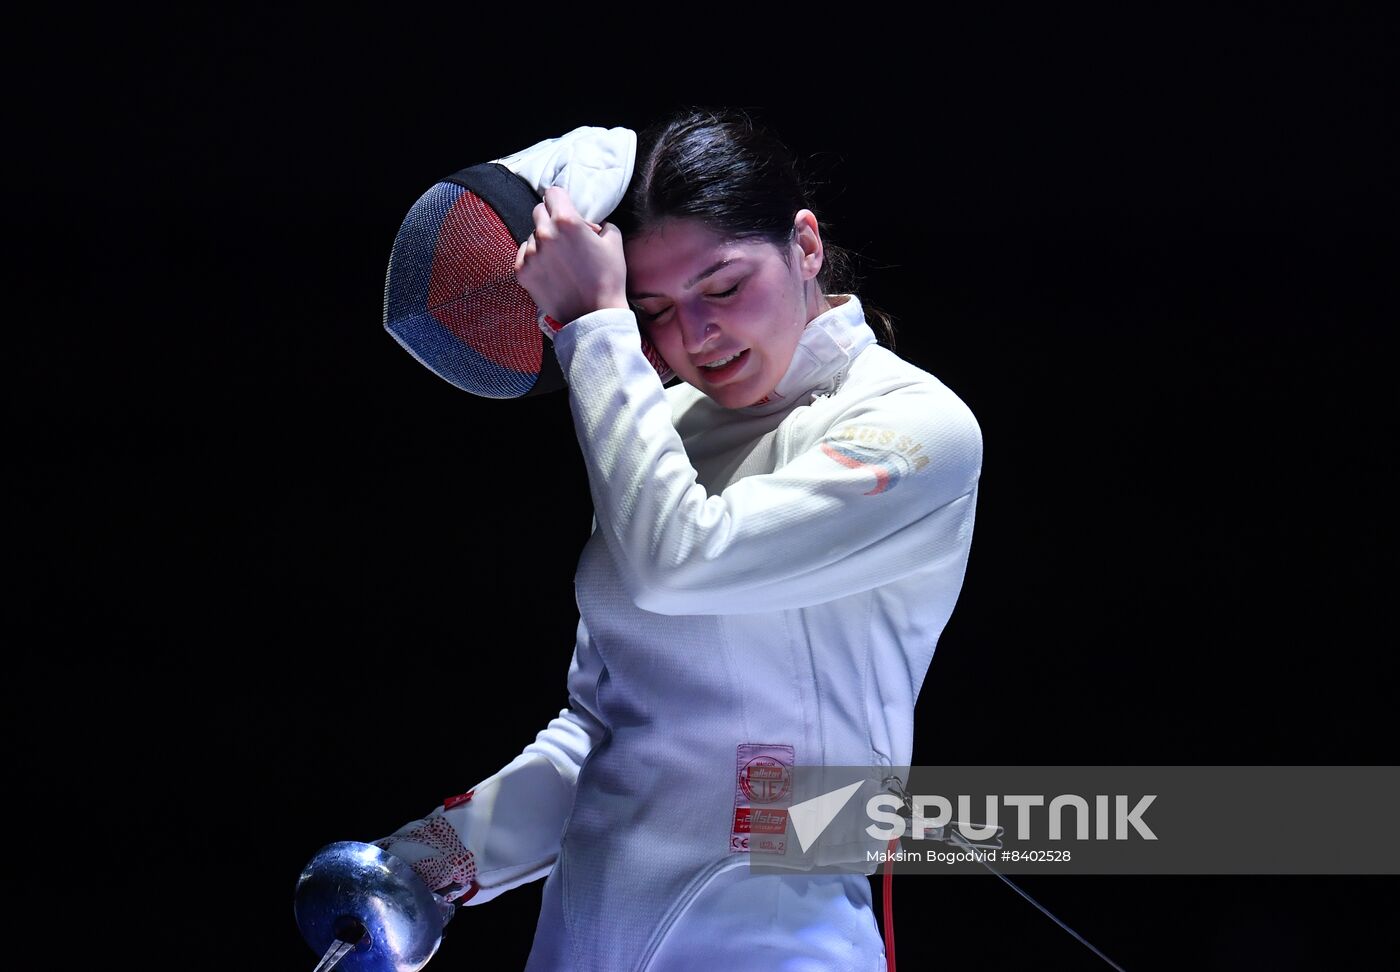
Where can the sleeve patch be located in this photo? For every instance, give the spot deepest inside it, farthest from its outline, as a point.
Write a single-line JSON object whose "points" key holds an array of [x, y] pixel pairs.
{"points": [[888, 455]]}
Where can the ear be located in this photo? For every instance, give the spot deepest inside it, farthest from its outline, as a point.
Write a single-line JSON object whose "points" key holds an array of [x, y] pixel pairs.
{"points": [[808, 238]]}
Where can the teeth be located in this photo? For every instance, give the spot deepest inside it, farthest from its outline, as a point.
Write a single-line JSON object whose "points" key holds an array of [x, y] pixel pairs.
{"points": [[722, 361]]}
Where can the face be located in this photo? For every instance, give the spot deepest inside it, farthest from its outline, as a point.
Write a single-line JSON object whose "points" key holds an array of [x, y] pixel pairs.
{"points": [[700, 299]]}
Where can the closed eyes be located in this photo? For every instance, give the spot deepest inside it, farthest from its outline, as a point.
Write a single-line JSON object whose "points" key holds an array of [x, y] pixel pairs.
{"points": [[648, 318]]}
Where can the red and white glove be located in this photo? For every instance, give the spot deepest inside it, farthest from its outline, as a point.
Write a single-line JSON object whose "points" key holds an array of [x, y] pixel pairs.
{"points": [[434, 849]]}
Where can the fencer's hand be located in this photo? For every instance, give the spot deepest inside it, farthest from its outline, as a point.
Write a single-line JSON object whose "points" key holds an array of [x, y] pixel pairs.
{"points": [[434, 849], [571, 266]]}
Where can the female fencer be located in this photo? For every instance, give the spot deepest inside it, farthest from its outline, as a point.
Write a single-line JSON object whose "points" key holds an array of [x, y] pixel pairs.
{"points": [[779, 539]]}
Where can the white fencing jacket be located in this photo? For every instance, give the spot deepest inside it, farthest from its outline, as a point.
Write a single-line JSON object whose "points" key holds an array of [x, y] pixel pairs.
{"points": [[763, 583]]}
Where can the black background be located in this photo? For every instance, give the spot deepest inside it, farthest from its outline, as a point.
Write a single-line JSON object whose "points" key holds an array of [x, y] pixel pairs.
{"points": [[279, 585]]}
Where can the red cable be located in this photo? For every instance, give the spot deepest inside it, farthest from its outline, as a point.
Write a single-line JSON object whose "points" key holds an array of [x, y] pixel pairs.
{"points": [[889, 903]]}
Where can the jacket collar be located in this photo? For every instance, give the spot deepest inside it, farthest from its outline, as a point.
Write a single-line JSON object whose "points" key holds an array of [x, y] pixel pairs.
{"points": [[829, 343]]}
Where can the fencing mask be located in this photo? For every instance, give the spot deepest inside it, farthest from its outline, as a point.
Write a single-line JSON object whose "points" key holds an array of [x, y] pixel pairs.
{"points": [[450, 295]]}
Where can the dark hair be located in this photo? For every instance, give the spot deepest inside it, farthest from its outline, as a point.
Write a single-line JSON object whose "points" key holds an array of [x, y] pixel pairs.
{"points": [[721, 167]]}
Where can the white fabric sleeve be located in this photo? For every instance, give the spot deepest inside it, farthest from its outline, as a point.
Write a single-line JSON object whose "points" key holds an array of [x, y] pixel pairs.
{"points": [[823, 526], [592, 163], [515, 818]]}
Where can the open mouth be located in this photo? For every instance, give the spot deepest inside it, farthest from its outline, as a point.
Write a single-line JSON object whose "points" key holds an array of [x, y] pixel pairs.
{"points": [[727, 368]]}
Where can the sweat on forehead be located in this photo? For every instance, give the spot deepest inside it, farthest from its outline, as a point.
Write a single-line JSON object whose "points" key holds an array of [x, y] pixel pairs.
{"points": [[684, 256]]}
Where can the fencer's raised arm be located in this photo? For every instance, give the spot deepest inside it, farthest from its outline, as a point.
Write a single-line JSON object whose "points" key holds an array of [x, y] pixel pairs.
{"points": [[888, 489], [506, 830]]}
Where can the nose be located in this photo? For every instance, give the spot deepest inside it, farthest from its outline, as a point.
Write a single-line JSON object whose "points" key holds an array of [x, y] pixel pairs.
{"points": [[698, 329]]}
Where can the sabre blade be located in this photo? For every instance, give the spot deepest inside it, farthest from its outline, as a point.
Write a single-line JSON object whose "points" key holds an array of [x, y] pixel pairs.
{"points": [[334, 954]]}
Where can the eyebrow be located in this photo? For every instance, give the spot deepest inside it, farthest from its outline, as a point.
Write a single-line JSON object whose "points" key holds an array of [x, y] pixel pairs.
{"points": [[714, 268]]}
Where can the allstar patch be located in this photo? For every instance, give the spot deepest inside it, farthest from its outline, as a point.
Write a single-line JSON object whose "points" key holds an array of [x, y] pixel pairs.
{"points": [[762, 791]]}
